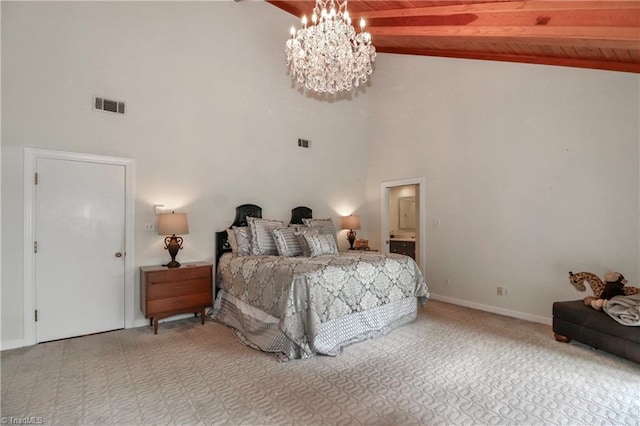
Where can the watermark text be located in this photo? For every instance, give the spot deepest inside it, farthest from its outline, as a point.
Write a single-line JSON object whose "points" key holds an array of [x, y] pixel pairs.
{"points": [[29, 420]]}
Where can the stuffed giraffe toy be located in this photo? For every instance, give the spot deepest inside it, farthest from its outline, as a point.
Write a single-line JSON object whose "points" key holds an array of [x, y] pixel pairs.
{"points": [[613, 285]]}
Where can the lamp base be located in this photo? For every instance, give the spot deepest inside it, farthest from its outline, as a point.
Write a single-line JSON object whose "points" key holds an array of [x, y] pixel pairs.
{"points": [[351, 236], [173, 244], [173, 264]]}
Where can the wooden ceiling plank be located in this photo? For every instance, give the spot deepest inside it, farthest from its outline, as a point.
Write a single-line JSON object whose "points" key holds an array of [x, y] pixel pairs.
{"points": [[568, 62], [609, 54], [522, 48], [597, 34], [628, 55], [498, 7], [560, 36], [614, 18]]}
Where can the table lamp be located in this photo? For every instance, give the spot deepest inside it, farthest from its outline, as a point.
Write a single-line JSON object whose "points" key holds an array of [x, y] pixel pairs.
{"points": [[351, 223], [172, 224]]}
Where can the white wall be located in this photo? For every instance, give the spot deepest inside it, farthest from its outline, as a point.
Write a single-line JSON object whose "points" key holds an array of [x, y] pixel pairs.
{"points": [[212, 118], [532, 171]]}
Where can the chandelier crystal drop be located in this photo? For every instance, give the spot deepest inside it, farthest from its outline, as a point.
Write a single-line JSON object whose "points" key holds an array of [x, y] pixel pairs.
{"points": [[328, 56]]}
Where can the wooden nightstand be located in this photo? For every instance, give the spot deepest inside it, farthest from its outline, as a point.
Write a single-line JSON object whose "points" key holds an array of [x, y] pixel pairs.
{"points": [[165, 292]]}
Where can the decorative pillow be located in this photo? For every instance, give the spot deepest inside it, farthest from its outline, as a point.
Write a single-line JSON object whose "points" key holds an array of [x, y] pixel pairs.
{"points": [[231, 239], [324, 225], [262, 241], [320, 244], [243, 240], [304, 230], [287, 242]]}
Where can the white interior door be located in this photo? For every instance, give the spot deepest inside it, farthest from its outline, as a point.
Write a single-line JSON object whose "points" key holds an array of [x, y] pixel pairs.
{"points": [[79, 262]]}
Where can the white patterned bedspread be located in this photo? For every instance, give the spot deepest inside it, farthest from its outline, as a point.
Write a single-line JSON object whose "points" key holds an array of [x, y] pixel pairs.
{"points": [[319, 304]]}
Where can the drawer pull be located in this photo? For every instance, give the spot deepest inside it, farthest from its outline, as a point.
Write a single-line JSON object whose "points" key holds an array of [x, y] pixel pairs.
{"points": [[179, 286]]}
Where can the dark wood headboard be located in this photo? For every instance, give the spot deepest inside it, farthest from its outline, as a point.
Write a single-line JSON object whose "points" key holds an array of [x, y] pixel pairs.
{"points": [[251, 210], [242, 212], [300, 213]]}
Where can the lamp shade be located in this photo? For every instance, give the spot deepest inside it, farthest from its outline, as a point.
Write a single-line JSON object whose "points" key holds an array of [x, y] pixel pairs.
{"points": [[172, 224], [351, 222]]}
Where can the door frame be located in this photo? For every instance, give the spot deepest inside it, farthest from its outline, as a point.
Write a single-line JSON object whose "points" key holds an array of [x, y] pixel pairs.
{"points": [[421, 257], [31, 156]]}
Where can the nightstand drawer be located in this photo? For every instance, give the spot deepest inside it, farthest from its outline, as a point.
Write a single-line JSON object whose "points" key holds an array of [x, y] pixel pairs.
{"points": [[403, 244], [179, 303], [178, 274], [179, 288], [407, 248]]}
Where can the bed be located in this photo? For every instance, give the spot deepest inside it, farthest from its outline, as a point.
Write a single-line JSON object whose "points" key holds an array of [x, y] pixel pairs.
{"points": [[301, 306]]}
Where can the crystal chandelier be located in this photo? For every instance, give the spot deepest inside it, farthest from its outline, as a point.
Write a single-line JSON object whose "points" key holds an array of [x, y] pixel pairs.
{"points": [[329, 56]]}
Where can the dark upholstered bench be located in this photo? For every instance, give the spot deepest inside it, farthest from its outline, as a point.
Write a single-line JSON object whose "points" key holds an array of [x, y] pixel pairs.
{"points": [[574, 320]]}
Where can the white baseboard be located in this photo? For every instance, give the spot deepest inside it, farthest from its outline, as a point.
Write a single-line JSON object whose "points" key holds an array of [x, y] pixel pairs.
{"points": [[139, 323], [19, 343], [493, 309], [5, 345], [11, 344], [145, 322]]}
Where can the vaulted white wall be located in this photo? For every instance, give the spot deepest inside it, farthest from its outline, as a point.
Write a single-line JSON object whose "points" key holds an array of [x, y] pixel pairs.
{"points": [[212, 118], [531, 171]]}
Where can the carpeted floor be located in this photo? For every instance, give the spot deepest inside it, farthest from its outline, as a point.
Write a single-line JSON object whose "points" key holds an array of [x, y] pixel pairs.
{"points": [[453, 365]]}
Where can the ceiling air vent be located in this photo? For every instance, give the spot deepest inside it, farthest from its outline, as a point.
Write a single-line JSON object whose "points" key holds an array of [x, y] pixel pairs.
{"points": [[108, 105]]}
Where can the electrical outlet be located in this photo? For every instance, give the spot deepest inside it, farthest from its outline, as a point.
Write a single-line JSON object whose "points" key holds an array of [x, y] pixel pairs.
{"points": [[500, 291], [505, 292], [150, 227], [446, 282]]}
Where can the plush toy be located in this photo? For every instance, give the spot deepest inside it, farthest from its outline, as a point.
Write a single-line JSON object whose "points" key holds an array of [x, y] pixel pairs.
{"points": [[614, 285]]}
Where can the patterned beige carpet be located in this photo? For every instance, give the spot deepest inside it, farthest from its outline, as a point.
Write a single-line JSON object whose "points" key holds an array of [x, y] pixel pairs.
{"points": [[451, 366]]}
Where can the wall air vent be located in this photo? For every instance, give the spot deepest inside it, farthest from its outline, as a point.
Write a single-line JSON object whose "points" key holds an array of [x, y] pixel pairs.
{"points": [[102, 104]]}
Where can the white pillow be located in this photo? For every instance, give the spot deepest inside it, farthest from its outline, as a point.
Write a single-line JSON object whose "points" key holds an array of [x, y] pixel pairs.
{"points": [[262, 241], [286, 241]]}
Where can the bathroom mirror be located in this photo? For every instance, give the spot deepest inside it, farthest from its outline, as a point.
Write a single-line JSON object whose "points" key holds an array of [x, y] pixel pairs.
{"points": [[407, 213]]}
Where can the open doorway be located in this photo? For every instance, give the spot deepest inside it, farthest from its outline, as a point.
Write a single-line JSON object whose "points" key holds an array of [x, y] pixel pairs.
{"points": [[403, 218]]}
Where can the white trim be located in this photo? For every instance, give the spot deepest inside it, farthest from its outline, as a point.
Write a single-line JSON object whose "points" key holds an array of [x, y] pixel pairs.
{"points": [[145, 322], [12, 344], [493, 309], [31, 156], [422, 211]]}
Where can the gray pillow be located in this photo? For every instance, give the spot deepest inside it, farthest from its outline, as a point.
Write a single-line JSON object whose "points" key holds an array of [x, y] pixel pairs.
{"points": [[286, 241], [325, 226], [304, 230], [243, 240], [231, 239], [320, 244], [262, 241]]}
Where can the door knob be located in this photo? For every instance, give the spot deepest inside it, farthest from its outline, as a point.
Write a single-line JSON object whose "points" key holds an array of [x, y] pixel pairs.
{"points": [[118, 254]]}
